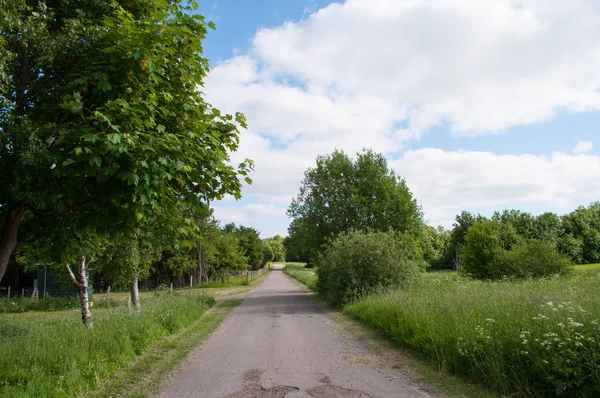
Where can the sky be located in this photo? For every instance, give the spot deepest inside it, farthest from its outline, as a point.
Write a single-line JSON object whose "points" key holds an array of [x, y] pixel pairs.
{"points": [[480, 105]]}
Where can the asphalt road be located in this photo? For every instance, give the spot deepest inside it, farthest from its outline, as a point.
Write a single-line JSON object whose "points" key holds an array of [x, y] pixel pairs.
{"points": [[278, 343]]}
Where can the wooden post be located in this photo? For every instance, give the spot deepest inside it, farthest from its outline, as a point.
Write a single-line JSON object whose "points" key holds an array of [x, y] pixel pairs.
{"points": [[191, 280], [23, 292], [128, 302], [9, 292], [171, 290]]}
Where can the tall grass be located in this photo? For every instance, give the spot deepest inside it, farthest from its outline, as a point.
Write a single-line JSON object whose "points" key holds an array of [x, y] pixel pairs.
{"points": [[303, 275], [53, 355], [526, 338]]}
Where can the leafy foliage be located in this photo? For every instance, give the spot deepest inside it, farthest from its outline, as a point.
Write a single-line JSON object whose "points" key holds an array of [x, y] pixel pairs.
{"points": [[359, 263], [102, 126], [340, 194], [533, 259], [481, 251], [277, 247]]}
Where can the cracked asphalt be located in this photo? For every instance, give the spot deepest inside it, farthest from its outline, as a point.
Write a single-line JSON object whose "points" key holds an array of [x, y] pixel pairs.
{"points": [[278, 344]]}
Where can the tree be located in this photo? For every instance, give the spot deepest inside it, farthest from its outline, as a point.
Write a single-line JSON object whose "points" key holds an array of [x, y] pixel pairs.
{"points": [[547, 228], [340, 194], [434, 242], [250, 244], [277, 247], [102, 124], [230, 255], [462, 223], [482, 250], [580, 235]]}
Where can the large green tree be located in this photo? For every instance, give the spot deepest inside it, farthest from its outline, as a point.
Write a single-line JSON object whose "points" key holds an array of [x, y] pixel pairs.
{"points": [[103, 127], [340, 194], [101, 118]]}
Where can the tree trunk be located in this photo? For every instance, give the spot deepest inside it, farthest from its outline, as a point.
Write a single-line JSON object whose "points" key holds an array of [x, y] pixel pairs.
{"points": [[81, 284], [9, 237], [135, 294]]}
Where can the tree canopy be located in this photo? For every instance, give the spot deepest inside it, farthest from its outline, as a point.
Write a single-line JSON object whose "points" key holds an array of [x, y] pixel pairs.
{"points": [[102, 122], [340, 194]]}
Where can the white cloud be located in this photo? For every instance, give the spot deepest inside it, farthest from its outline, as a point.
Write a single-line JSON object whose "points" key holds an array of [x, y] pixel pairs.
{"points": [[483, 66], [583, 147], [446, 182], [378, 73]]}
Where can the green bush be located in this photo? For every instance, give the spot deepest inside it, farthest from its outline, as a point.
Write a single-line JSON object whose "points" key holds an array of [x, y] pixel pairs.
{"points": [[359, 263], [533, 259], [484, 257], [482, 250]]}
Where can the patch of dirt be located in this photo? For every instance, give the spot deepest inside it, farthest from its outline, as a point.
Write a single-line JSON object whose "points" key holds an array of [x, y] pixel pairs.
{"points": [[253, 389]]}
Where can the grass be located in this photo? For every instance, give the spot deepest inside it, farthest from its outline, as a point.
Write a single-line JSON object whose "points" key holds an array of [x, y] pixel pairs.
{"points": [[144, 375], [303, 275], [520, 338], [587, 266], [52, 354]]}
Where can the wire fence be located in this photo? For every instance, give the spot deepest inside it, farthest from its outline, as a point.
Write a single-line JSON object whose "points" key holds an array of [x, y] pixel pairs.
{"points": [[31, 292]]}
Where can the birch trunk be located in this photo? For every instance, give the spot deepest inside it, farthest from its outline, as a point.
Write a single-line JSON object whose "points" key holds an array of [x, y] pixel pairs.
{"points": [[135, 294], [81, 284]]}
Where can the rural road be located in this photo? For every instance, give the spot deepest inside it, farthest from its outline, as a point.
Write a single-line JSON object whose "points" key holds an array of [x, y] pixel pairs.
{"points": [[278, 343]]}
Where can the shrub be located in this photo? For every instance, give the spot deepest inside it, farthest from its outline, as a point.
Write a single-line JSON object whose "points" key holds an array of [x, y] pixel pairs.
{"points": [[482, 250], [533, 259], [359, 263]]}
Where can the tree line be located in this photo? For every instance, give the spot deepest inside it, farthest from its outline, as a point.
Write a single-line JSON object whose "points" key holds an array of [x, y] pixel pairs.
{"points": [[576, 235], [359, 224]]}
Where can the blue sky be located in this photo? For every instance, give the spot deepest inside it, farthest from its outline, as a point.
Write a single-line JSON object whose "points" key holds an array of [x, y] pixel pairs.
{"points": [[479, 106]]}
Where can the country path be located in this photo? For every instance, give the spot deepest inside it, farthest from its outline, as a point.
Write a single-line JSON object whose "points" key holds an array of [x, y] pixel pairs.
{"points": [[278, 343]]}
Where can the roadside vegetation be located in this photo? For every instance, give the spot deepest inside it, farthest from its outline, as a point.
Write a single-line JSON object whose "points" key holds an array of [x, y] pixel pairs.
{"points": [[302, 274], [52, 355], [513, 304], [528, 337]]}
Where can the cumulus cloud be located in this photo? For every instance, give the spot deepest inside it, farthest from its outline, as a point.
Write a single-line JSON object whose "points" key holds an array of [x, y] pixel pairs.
{"points": [[583, 147], [380, 73], [446, 182]]}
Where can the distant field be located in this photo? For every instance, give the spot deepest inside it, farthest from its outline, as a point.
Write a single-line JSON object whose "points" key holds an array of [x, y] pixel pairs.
{"points": [[587, 266], [304, 275]]}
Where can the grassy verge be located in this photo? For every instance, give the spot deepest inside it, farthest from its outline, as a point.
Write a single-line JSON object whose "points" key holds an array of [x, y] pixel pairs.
{"points": [[51, 354], [526, 338], [303, 275], [144, 376]]}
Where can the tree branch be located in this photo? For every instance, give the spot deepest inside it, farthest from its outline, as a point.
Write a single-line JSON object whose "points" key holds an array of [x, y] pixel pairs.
{"points": [[72, 277]]}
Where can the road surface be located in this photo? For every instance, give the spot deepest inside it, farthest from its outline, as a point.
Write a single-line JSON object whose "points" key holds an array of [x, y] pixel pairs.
{"points": [[278, 343]]}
